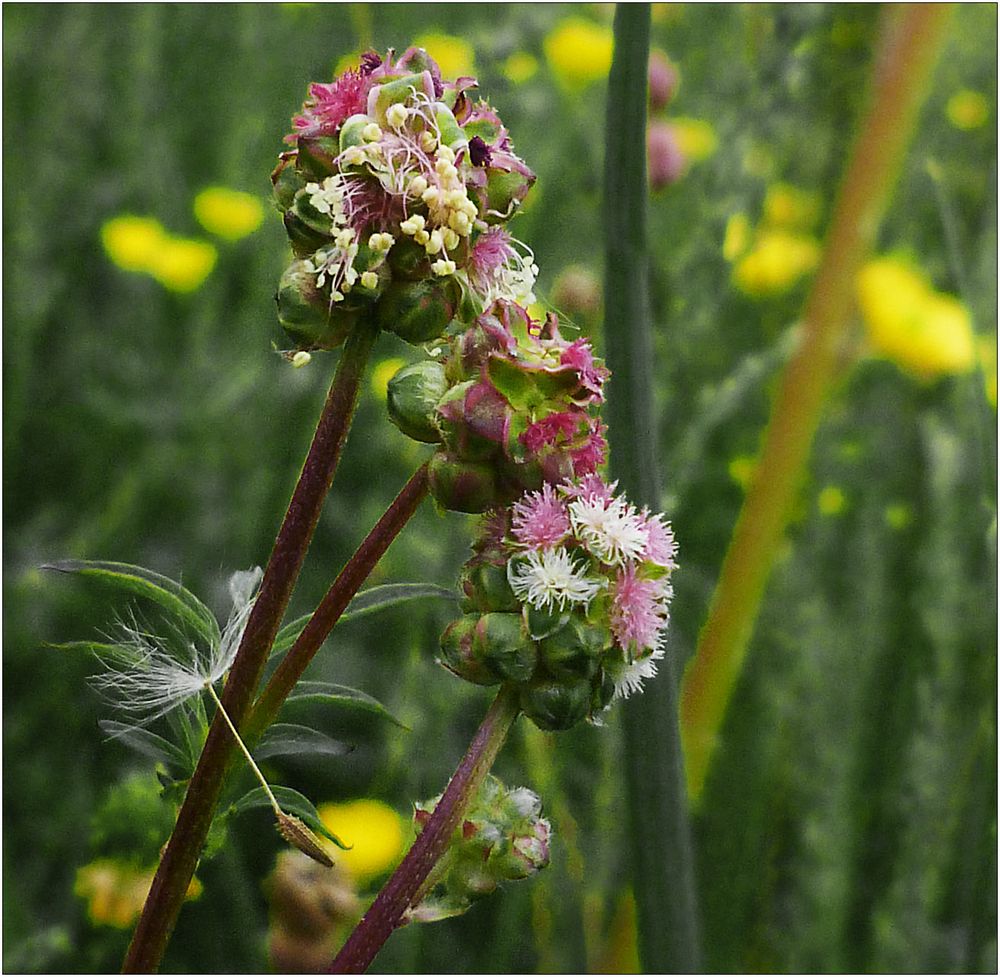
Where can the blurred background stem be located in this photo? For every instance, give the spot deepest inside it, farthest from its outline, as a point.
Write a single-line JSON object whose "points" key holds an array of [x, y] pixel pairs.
{"points": [[180, 857], [662, 862], [911, 38]]}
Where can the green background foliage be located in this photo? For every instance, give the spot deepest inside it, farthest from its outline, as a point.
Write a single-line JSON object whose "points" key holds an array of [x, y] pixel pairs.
{"points": [[849, 819]]}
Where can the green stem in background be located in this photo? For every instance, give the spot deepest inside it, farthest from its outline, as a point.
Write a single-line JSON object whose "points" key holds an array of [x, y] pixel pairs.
{"points": [[903, 65], [398, 894], [180, 858], [660, 836], [328, 612]]}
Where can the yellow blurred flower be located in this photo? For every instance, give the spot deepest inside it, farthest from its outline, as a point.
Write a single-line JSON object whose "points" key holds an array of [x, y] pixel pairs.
{"points": [[741, 470], [520, 66], [182, 264], [454, 56], [737, 238], [347, 62], [986, 347], [115, 892], [898, 515], [231, 214], [925, 332], [374, 830], [778, 260], [695, 138], [383, 373], [967, 109], [132, 242], [789, 207], [830, 501], [579, 52]]}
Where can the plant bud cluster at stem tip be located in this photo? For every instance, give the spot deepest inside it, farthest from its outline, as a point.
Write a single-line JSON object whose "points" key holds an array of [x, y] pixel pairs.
{"points": [[395, 197]]}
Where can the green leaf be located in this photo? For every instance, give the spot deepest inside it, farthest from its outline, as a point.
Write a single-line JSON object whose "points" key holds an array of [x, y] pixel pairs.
{"points": [[292, 802], [515, 384], [169, 594], [102, 649], [146, 743], [291, 739], [340, 695], [367, 602]]}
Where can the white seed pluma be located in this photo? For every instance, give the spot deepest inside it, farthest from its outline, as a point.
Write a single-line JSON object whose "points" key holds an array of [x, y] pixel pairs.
{"points": [[147, 676]]}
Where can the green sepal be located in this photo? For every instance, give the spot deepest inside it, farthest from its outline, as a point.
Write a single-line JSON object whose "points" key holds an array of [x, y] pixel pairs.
{"points": [[555, 705], [350, 131], [502, 642], [286, 181], [412, 397], [317, 157], [418, 311], [462, 486]]}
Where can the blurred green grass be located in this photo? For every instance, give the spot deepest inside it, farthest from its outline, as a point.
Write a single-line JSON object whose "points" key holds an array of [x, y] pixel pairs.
{"points": [[849, 819]]}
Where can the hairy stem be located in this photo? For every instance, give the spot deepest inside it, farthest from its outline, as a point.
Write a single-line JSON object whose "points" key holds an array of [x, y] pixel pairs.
{"points": [[399, 893], [660, 832], [902, 69], [326, 615], [180, 858]]}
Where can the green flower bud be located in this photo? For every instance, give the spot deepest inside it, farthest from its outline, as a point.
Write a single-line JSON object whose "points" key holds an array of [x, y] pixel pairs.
{"points": [[463, 486], [553, 705], [408, 260], [504, 192], [543, 623], [286, 181], [316, 157], [487, 588], [304, 240], [458, 656], [413, 395], [316, 220], [304, 312], [501, 642], [574, 651], [418, 311], [452, 135]]}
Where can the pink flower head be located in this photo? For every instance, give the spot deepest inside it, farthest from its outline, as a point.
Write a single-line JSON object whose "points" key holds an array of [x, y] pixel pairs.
{"points": [[592, 453], [580, 357], [662, 547], [328, 106], [548, 430], [540, 519], [638, 610], [490, 253]]}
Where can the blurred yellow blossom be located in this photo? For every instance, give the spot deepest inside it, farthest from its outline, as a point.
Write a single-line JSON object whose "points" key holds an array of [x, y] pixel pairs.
{"points": [[373, 829], [696, 138], [778, 260], [898, 515], [789, 207], [115, 892], [925, 332], [967, 109], [830, 501], [737, 238], [383, 373], [132, 242], [454, 56], [986, 347], [741, 470], [520, 66], [231, 214], [182, 264], [579, 52], [347, 62]]}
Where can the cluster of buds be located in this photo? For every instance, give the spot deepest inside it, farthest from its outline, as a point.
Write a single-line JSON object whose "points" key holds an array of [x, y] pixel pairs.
{"points": [[510, 402], [566, 596], [395, 198], [502, 838]]}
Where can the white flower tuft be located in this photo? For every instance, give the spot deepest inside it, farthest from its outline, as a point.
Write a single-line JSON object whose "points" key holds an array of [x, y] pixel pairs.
{"points": [[549, 577], [613, 531], [628, 676]]}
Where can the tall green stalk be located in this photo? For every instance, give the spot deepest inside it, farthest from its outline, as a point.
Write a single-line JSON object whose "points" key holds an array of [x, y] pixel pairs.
{"points": [[662, 859], [903, 63], [180, 858]]}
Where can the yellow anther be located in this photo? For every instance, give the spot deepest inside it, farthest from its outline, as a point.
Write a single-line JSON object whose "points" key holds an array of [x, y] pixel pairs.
{"points": [[421, 237], [396, 115], [428, 142], [345, 238], [417, 186], [450, 239], [371, 132], [430, 195], [435, 243], [412, 224], [354, 156], [369, 279], [336, 296], [446, 153], [443, 267], [301, 359]]}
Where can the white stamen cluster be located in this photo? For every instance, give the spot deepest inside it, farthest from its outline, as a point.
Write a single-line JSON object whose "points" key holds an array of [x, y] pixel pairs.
{"points": [[612, 531], [628, 676], [547, 578]]}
